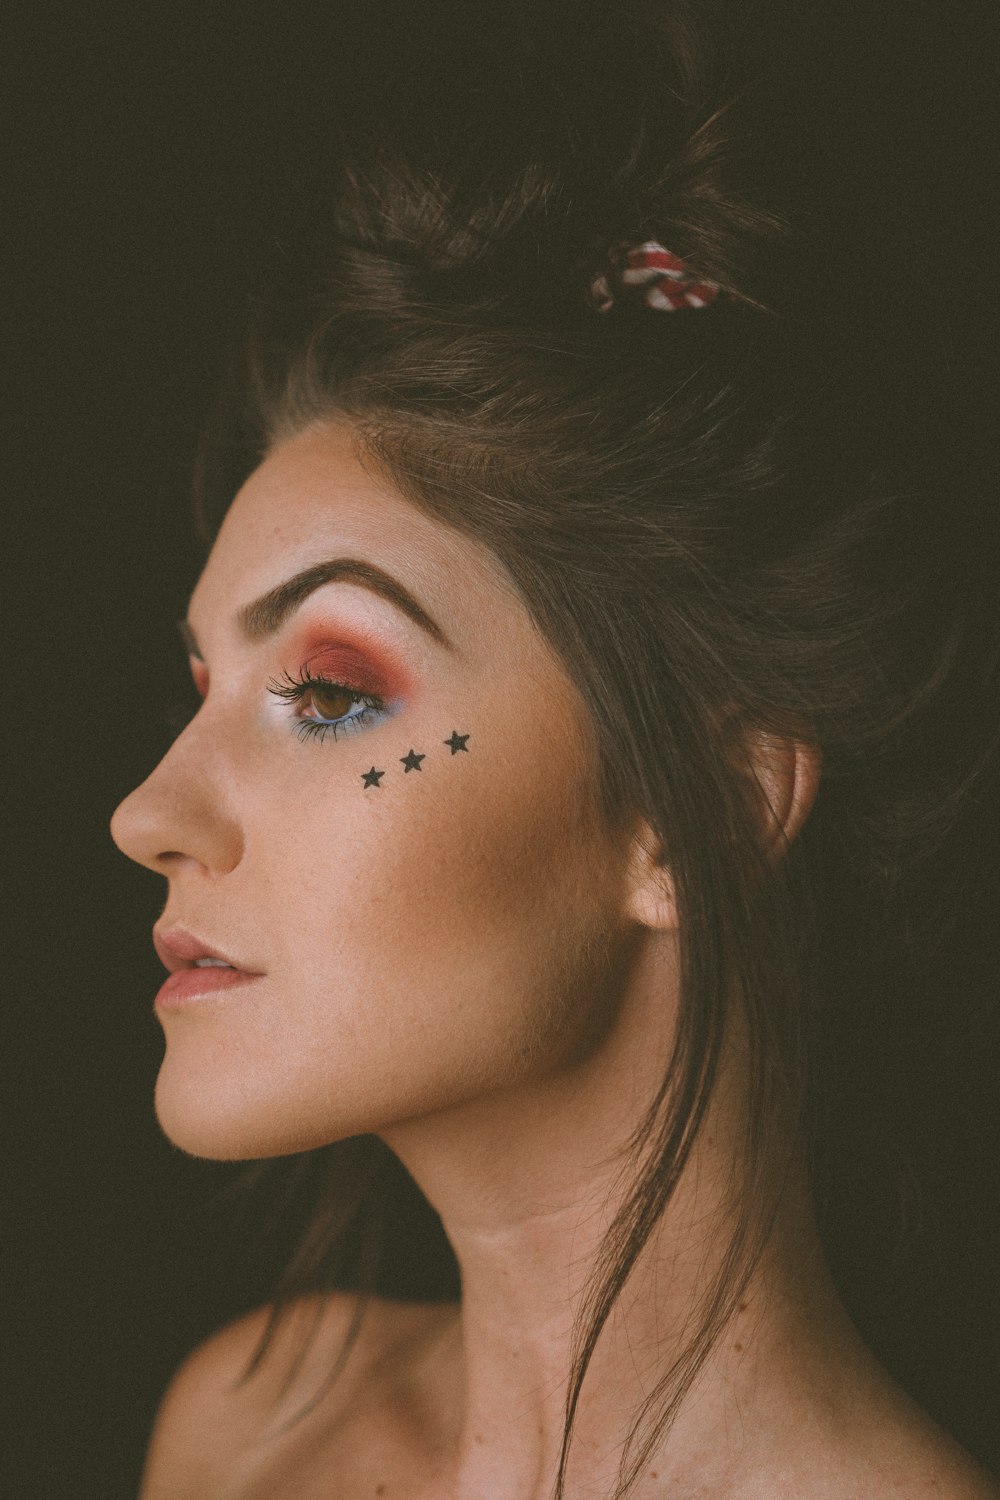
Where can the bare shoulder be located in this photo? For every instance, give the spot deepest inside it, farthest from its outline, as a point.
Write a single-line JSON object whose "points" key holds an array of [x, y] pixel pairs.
{"points": [[219, 1429], [950, 1476], [917, 1458], [949, 1473]]}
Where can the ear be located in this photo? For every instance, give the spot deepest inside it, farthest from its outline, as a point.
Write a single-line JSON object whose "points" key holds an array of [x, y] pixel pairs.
{"points": [[784, 776]]}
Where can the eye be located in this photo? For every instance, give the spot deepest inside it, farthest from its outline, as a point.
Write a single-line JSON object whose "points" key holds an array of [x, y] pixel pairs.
{"points": [[178, 714], [332, 702], [181, 709]]}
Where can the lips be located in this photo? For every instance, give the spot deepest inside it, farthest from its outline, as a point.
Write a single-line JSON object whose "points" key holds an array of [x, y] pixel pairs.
{"points": [[180, 949]]}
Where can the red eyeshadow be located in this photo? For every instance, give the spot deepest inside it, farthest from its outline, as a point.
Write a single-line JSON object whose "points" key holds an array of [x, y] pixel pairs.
{"points": [[359, 664]]}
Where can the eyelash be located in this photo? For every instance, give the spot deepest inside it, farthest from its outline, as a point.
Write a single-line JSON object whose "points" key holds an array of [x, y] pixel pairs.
{"points": [[296, 688]]}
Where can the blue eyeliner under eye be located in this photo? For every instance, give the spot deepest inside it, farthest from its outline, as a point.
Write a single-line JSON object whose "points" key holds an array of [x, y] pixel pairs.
{"points": [[294, 689], [306, 728]]}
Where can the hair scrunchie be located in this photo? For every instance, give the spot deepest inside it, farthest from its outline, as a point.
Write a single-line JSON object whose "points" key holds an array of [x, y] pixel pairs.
{"points": [[669, 285]]}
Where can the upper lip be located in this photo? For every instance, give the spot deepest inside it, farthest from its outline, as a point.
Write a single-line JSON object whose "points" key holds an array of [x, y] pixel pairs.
{"points": [[178, 949]]}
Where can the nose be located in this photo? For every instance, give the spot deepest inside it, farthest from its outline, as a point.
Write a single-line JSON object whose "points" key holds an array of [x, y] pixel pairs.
{"points": [[179, 813]]}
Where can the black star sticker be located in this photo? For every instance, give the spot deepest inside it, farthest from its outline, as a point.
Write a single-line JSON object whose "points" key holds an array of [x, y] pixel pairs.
{"points": [[372, 777], [457, 741], [412, 761]]}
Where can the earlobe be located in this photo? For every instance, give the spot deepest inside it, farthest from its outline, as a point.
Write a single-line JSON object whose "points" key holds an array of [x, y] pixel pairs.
{"points": [[651, 896]]}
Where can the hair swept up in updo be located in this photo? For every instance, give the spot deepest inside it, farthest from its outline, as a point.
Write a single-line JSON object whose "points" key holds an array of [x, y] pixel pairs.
{"points": [[725, 515]]}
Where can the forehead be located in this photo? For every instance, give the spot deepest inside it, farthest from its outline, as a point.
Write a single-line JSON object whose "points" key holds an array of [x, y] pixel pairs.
{"points": [[311, 499]]}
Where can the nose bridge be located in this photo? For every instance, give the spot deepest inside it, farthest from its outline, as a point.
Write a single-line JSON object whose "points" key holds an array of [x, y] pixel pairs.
{"points": [[184, 808]]}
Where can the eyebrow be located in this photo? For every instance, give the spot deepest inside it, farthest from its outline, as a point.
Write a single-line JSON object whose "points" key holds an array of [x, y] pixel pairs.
{"points": [[266, 615]]}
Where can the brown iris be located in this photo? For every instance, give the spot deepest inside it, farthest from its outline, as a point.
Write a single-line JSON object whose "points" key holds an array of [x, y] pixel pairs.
{"points": [[332, 702]]}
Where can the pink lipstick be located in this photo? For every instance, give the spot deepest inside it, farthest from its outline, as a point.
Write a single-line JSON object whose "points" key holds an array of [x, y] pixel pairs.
{"points": [[196, 968], [195, 984]]}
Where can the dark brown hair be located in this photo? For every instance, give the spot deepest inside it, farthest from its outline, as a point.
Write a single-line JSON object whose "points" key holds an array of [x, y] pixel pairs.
{"points": [[729, 516]]}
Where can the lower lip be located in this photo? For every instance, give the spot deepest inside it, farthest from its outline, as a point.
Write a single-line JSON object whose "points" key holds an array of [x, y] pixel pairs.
{"points": [[197, 984]]}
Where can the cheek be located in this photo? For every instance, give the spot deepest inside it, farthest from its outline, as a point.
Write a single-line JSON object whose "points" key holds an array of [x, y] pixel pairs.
{"points": [[441, 930]]}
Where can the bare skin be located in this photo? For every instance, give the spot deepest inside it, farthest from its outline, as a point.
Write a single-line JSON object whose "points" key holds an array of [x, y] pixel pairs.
{"points": [[462, 958]]}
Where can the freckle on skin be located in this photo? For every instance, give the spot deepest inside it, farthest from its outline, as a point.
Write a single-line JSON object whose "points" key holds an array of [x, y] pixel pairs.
{"points": [[738, 1348]]}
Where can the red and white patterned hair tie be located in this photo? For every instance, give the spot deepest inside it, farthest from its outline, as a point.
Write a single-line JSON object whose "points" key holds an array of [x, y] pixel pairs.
{"points": [[669, 284]]}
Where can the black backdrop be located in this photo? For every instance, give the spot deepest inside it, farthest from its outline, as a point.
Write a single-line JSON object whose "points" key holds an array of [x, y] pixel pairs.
{"points": [[154, 151]]}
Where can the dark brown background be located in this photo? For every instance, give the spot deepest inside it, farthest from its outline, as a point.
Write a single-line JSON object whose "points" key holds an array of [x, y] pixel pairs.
{"points": [[154, 152]]}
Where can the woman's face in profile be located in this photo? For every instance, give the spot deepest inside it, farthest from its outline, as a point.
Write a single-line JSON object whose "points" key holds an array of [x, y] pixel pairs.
{"points": [[414, 869]]}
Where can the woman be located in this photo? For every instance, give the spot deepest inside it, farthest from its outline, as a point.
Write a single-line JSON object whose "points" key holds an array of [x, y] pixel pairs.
{"points": [[562, 667]]}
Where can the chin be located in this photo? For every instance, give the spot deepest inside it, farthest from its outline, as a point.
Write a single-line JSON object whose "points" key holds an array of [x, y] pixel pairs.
{"points": [[216, 1124]]}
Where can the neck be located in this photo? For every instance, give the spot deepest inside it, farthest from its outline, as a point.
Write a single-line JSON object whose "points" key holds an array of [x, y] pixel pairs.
{"points": [[527, 1185]]}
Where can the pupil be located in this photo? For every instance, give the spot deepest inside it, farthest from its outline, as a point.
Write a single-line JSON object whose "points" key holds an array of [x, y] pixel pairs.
{"points": [[332, 703]]}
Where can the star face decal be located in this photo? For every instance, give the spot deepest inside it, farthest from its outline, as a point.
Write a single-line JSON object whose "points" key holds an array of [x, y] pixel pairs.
{"points": [[372, 777], [457, 741], [412, 761]]}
